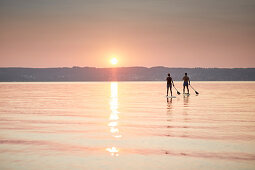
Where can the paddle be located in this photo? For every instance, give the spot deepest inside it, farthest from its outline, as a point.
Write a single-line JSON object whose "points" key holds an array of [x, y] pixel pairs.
{"points": [[194, 90], [177, 91]]}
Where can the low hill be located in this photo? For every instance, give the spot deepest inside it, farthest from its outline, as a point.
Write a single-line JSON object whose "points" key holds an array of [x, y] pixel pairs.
{"points": [[124, 74]]}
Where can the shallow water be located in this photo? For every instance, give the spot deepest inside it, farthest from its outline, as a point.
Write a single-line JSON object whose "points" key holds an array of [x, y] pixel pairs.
{"points": [[126, 125]]}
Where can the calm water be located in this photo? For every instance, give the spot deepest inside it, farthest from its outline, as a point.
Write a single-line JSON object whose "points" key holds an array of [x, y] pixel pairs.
{"points": [[126, 125]]}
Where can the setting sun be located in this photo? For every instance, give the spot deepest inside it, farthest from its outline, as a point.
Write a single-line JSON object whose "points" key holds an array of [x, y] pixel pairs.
{"points": [[114, 61]]}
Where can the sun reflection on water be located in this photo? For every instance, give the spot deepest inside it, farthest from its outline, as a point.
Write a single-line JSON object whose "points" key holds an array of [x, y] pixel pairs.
{"points": [[114, 151], [114, 117]]}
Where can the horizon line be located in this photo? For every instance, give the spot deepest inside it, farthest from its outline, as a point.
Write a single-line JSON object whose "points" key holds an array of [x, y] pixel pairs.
{"points": [[134, 67]]}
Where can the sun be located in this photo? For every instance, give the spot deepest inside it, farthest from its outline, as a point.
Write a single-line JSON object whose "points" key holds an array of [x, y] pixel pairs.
{"points": [[114, 61]]}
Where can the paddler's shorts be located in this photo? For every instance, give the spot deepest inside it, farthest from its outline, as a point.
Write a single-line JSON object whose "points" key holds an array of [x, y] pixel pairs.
{"points": [[186, 84], [169, 86]]}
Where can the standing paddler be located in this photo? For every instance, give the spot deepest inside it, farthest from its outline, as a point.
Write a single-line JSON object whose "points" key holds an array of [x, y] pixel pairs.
{"points": [[169, 84], [186, 83]]}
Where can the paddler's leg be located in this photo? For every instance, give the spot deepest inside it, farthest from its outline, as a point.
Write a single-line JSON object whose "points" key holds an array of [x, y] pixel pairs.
{"points": [[167, 90], [171, 90]]}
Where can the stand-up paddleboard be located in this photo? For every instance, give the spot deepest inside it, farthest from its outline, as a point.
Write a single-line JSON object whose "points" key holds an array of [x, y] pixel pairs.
{"points": [[186, 94], [170, 96]]}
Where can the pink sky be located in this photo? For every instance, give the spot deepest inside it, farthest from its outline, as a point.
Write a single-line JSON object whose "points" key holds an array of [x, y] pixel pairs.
{"points": [[188, 33]]}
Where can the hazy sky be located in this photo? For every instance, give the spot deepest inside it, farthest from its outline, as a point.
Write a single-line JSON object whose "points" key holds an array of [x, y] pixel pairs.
{"points": [[173, 33]]}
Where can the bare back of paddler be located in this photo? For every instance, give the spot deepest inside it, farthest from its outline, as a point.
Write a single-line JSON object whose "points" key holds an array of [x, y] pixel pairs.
{"points": [[186, 83]]}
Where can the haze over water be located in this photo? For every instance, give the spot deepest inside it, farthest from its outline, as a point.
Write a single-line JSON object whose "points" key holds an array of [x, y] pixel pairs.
{"points": [[126, 125]]}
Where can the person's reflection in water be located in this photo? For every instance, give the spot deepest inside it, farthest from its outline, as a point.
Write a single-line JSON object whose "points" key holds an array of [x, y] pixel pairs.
{"points": [[169, 114], [186, 101], [185, 115], [169, 104]]}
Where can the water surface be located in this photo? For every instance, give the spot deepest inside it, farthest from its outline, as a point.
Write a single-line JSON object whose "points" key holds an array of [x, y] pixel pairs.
{"points": [[126, 125]]}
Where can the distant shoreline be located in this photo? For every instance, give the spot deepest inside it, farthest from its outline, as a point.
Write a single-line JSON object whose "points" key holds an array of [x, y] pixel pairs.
{"points": [[59, 82], [127, 67], [93, 74]]}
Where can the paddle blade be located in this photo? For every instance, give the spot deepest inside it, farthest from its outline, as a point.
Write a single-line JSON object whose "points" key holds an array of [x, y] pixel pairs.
{"points": [[196, 92], [178, 93]]}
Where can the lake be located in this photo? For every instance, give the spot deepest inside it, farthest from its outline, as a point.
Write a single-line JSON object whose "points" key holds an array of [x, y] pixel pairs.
{"points": [[126, 125]]}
